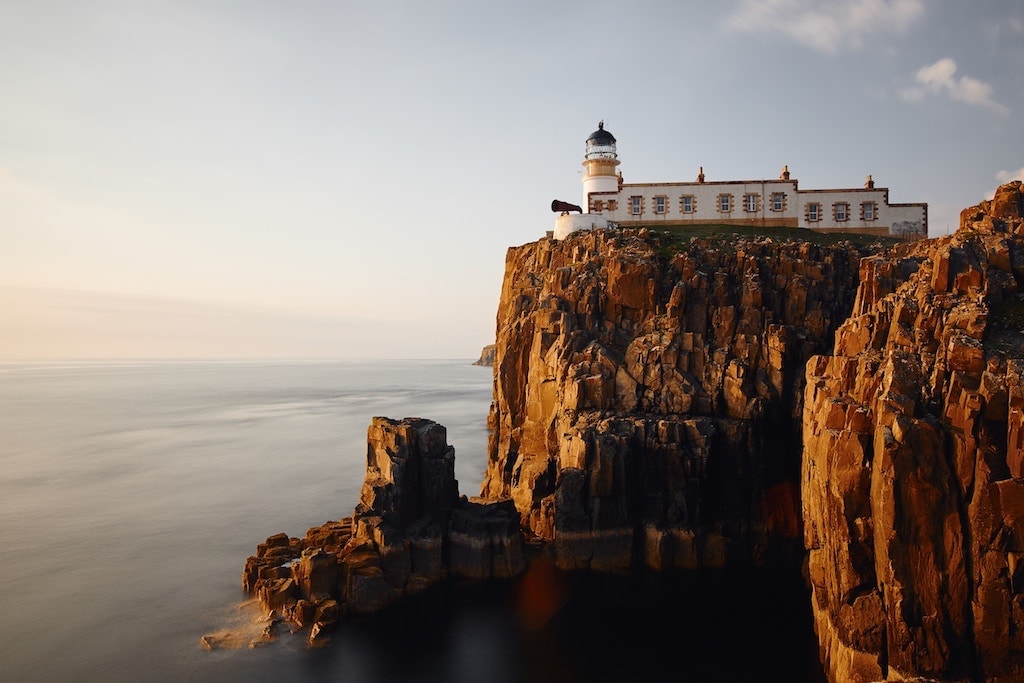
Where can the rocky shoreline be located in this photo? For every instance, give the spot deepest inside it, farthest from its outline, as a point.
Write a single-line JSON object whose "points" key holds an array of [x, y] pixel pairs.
{"points": [[410, 530]]}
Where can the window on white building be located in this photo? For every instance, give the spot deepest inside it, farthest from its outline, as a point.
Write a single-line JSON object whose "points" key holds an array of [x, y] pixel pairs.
{"points": [[688, 203], [659, 204], [814, 211], [841, 210], [750, 203], [778, 201], [636, 205], [868, 211], [725, 203]]}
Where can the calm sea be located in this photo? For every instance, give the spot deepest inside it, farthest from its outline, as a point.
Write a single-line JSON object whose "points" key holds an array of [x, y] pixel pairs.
{"points": [[131, 494]]}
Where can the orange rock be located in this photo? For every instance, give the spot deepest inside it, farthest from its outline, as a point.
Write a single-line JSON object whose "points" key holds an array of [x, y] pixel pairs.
{"points": [[940, 502]]}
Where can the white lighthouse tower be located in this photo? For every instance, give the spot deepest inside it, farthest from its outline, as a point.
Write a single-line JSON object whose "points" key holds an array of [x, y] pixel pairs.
{"points": [[599, 164], [598, 176]]}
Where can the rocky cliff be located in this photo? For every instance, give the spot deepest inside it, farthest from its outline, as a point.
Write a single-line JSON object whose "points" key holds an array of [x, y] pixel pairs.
{"points": [[731, 402], [486, 356], [648, 393], [913, 471]]}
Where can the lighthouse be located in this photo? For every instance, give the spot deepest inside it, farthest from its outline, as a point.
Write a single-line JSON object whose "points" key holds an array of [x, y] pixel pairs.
{"points": [[599, 175], [599, 164]]}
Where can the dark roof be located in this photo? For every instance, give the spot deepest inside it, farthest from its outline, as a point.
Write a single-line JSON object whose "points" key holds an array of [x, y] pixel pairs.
{"points": [[601, 136]]}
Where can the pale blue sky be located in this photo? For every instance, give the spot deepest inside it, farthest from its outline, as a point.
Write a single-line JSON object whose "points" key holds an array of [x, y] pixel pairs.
{"points": [[342, 180]]}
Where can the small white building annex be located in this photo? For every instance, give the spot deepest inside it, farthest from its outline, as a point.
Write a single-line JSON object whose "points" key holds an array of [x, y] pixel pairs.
{"points": [[769, 203]]}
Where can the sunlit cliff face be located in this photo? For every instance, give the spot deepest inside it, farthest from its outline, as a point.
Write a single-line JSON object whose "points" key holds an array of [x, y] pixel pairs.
{"points": [[645, 388]]}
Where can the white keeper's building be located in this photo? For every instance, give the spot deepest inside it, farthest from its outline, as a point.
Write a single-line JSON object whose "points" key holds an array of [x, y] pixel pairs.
{"points": [[609, 200]]}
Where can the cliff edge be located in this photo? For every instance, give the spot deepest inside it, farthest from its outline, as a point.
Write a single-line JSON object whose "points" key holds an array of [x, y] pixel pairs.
{"points": [[913, 469]]}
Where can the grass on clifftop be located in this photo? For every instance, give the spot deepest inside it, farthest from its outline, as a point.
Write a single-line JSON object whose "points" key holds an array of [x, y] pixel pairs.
{"points": [[728, 232]]}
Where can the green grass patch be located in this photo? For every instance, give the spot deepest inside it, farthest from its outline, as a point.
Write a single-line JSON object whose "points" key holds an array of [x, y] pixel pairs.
{"points": [[730, 232]]}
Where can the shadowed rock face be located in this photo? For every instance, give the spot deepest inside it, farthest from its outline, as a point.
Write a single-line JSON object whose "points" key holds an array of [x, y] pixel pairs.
{"points": [[647, 395], [913, 496]]}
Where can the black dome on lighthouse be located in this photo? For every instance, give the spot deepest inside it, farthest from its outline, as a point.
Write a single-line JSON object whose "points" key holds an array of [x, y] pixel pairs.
{"points": [[601, 136]]}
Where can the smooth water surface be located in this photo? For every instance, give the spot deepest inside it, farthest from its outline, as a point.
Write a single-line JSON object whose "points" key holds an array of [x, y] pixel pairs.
{"points": [[131, 494]]}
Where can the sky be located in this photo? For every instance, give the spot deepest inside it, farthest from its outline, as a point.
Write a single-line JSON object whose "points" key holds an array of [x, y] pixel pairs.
{"points": [[258, 179]]}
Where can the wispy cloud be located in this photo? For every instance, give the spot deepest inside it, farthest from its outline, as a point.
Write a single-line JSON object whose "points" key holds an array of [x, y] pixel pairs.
{"points": [[825, 25], [1007, 176], [940, 79]]}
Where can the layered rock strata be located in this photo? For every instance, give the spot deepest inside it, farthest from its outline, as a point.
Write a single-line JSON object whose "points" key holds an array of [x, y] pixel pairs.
{"points": [[913, 471], [648, 392], [409, 530]]}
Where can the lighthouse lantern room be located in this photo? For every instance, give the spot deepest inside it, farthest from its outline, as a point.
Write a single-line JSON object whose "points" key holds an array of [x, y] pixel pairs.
{"points": [[599, 174]]}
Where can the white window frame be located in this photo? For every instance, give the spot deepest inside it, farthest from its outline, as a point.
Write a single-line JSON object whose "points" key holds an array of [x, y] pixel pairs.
{"points": [[841, 211], [636, 206], [750, 202], [868, 211], [688, 199], [661, 204], [725, 203], [813, 212], [778, 201]]}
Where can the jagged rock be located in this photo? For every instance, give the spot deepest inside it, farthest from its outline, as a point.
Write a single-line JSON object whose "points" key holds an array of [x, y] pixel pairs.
{"points": [[316, 572], [409, 530], [213, 641], [647, 393], [652, 403], [912, 453], [410, 472], [318, 635], [277, 594], [302, 613], [267, 636]]}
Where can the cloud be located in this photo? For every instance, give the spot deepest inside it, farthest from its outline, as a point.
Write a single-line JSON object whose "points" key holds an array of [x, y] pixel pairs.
{"points": [[825, 25], [1007, 176], [940, 78]]}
